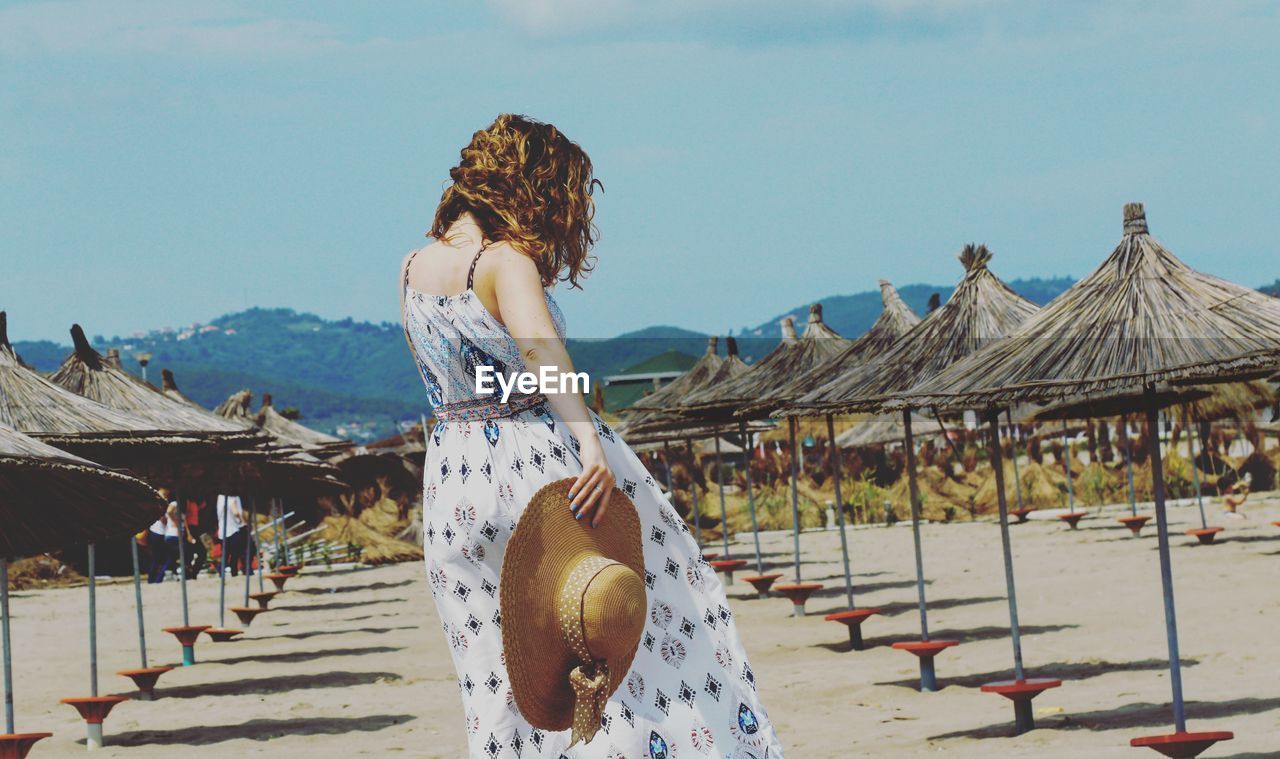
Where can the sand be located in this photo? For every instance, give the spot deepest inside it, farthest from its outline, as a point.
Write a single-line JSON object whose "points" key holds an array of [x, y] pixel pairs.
{"points": [[353, 663]]}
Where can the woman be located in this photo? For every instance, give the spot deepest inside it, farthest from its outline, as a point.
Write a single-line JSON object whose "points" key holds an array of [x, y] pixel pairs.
{"points": [[516, 219]]}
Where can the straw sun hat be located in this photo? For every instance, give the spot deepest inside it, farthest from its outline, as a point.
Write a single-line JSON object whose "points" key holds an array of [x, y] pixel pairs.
{"points": [[573, 609]]}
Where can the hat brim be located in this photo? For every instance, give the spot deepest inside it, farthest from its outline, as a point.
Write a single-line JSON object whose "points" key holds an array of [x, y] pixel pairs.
{"points": [[544, 548]]}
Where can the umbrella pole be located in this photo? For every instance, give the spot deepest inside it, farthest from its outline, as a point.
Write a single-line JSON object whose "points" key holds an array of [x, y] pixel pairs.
{"points": [[93, 622], [1007, 549], [693, 490], [666, 461], [1013, 445], [914, 494], [795, 493], [261, 565], [222, 565], [248, 547], [182, 562], [834, 452], [1166, 566], [8, 653], [724, 514], [1195, 470], [1133, 494], [1066, 463], [751, 498], [137, 602]]}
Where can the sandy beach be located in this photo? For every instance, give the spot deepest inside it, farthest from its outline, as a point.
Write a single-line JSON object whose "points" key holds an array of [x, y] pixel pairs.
{"points": [[352, 663]]}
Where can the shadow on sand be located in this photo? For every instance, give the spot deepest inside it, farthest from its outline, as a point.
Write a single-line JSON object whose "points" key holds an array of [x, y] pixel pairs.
{"points": [[264, 685], [340, 631], [1067, 672], [340, 589], [293, 657], [261, 730]]}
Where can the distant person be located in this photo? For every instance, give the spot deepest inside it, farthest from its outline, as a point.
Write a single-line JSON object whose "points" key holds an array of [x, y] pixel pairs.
{"points": [[233, 531], [1236, 495], [198, 528], [156, 545], [173, 551]]}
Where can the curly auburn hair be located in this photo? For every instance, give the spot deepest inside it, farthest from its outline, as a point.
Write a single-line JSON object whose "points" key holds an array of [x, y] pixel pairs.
{"points": [[528, 185]]}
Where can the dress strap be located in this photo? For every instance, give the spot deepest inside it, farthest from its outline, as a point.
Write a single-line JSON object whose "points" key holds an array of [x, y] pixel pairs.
{"points": [[471, 273], [409, 262]]}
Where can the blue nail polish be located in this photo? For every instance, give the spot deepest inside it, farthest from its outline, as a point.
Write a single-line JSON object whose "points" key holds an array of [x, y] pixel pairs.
{"points": [[577, 516]]}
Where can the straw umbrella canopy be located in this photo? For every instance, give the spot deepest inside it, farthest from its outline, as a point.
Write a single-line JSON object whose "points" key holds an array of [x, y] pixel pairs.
{"points": [[52, 499], [895, 320], [34, 406], [881, 429], [982, 308], [289, 431], [1141, 321], [680, 387]]}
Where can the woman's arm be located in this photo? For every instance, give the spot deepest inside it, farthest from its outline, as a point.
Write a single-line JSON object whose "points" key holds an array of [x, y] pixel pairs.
{"points": [[522, 307]]}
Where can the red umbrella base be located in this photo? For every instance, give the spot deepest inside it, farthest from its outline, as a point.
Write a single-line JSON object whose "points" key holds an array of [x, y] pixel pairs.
{"points": [[1135, 524], [94, 709], [18, 745], [223, 635], [1073, 518], [798, 593], [1021, 514], [279, 581], [925, 648], [145, 679], [1205, 535], [187, 636], [263, 599], [851, 617], [762, 583], [1181, 745], [728, 567], [246, 615], [1021, 690]]}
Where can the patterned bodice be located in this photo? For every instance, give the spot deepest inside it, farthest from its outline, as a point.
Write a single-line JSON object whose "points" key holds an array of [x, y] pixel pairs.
{"points": [[451, 335]]}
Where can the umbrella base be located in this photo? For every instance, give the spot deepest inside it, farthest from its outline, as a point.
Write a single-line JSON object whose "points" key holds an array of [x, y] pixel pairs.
{"points": [[799, 594], [18, 745], [246, 614], [1181, 745], [853, 619], [727, 567], [710, 555], [223, 634], [263, 599], [289, 569], [1134, 523], [145, 680], [1020, 692], [187, 637], [1021, 514], [279, 580], [1205, 535], [1072, 518], [762, 583], [926, 650]]}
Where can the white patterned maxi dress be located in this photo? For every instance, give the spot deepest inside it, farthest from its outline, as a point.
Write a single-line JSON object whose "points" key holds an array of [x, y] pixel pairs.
{"points": [[690, 692]]}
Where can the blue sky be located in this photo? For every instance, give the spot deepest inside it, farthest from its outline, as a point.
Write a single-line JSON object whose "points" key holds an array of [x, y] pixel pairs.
{"points": [[168, 162]]}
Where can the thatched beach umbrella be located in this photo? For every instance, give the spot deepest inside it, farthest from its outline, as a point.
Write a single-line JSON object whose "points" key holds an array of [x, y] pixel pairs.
{"points": [[1143, 320], [52, 499], [981, 309], [720, 403]]}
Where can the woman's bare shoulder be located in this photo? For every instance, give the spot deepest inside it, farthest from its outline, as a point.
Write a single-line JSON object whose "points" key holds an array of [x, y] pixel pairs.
{"points": [[507, 261]]}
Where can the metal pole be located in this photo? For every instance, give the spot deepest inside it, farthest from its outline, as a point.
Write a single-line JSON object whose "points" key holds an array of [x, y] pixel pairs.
{"points": [[1014, 630], [751, 498], [795, 493], [724, 515], [8, 652], [914, 494], [844, 541], [666, 461], [137, 602], [1166, 565], [248, 546], [1013, 445], [1195, 470], [1133, 494], [1066, 462], [693, 490], [182, 560], [222, 564], [93, 622], [278, 528]]}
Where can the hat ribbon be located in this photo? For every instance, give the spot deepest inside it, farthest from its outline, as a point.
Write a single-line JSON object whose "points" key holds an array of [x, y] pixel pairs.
{"points": [[590, 679]]}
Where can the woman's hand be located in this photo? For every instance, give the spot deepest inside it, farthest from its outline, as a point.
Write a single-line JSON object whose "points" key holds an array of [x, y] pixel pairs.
{"points": [[589, 495]]}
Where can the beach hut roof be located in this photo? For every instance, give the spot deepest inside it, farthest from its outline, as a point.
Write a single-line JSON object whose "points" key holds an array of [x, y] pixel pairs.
{"points": [[895, 320], [1143, 317], [781, 366], [677, 389], [1227, 400], [982, 309], [86, 372], [882, 429], [33, 405], [51, 499], [290, 431]]}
